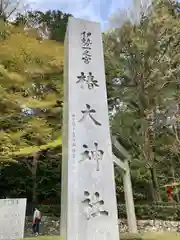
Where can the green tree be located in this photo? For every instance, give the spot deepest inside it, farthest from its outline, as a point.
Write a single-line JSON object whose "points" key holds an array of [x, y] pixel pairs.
{"points": [[142, 73], [31, 87], [51, 24]]}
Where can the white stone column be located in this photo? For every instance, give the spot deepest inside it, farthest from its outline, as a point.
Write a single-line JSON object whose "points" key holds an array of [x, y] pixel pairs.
{"points": [[12, 218], [88, 208], [131, 217]]}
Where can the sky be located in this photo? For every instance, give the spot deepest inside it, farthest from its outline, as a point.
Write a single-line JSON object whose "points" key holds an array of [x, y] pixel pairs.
{"points": [[94, 10]]}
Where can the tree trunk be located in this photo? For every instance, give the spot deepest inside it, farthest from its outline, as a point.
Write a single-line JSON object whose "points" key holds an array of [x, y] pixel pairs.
{"points": [[151, 190], [157, 195], [174, 179], [34, 178]]}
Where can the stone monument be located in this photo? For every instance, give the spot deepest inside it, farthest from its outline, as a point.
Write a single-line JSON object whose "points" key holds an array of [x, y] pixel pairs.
{"points": [[88, 204], [12, 218]]}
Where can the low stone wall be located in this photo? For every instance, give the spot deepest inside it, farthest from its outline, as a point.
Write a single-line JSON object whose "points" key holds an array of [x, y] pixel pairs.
{"points": [[51, 226], [152, 226]]}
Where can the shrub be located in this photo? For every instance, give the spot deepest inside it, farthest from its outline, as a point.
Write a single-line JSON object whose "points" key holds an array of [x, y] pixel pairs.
{"points": [[153, 211], [162, 211]]}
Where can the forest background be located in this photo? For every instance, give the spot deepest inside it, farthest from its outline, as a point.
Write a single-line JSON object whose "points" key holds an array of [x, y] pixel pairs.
{"points": [[142, 63]]}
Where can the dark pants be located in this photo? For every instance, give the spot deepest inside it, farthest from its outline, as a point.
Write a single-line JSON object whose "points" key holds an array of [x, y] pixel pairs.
{"points": [[36, 226]]}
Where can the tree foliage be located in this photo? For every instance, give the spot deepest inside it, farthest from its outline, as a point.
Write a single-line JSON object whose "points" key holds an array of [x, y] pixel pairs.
{"points": [[142, 68], [31, 89], [142, 71], [51, 24]]}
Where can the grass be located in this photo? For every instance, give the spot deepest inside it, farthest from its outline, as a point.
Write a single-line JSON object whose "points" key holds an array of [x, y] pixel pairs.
{"points": [[146, 236], [152, 236], [44, 238]]}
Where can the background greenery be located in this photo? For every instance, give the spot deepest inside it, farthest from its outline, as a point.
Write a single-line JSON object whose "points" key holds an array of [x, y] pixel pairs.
{"points": [[143, 211], [142, 63]]}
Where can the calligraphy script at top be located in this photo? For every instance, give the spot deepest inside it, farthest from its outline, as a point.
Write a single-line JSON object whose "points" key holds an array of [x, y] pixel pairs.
{"points": [[88, 79], [86, 43]]}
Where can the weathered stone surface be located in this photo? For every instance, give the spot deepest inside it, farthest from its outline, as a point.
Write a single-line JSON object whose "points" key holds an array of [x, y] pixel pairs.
{"points": [[88, 196], [51, 226], [12, 218]]}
